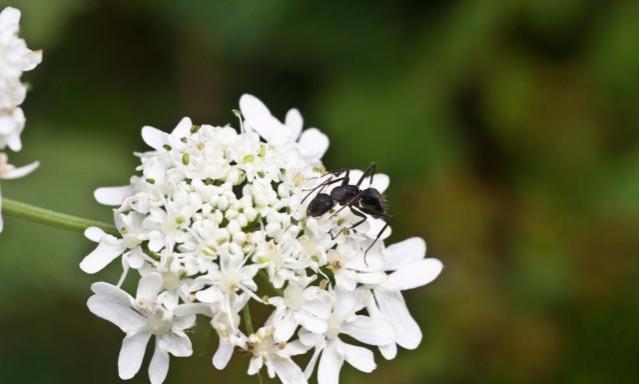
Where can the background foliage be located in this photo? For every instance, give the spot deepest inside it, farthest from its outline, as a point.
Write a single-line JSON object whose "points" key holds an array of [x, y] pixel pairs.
{"points": [[510, 129]]}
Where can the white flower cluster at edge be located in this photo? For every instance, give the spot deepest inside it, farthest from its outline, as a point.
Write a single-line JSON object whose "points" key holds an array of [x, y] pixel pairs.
{"points": [[15, 58], [214, 222]]}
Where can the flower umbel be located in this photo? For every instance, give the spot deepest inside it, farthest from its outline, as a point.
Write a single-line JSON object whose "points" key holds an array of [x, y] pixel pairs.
{"points": [[214, 221]]}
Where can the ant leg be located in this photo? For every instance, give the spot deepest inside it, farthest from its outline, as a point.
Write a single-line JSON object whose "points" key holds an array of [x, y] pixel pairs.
{"points": [[358, 214], [371, 169], [348, 203], [347, 177], [386, 218], [374, 241]]}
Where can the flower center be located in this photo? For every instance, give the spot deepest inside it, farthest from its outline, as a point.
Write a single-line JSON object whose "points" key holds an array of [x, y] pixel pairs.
{"points": [[294, 297], [171, 280], [157, 325], [230, 281]]}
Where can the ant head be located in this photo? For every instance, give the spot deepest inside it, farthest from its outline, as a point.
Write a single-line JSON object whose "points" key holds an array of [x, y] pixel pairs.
{"points": [[344, 193], [372, 202], [320, 204]]}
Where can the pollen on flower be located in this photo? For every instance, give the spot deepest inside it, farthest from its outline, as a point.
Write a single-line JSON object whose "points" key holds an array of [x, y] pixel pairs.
{"points": [[215, 223]]}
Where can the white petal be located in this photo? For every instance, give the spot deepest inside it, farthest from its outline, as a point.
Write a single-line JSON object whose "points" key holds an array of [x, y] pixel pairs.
{"points": [[388, 351], [294, 122], [329, 366], [123, 316], [380, 182], [10, 19], [153, 137], [358, 357], [319, 308], [255, 365], [295, 348], [177, 345], [193, 309], [149, 287], [311, 323], [223, 355], [104, 254], [405, 252], [183, 128], [33, 58], [372, 278], [94, 234], [310, 367], [311, 339], [288, 371], [370, 331], [346, 280], [112, 195], [112, 293], [209, 295], [350, 302], [20, 171], [414, 275], [313, 143], [159, 366], [285, 328], [392, 305], [258, 116], [132, 353]]}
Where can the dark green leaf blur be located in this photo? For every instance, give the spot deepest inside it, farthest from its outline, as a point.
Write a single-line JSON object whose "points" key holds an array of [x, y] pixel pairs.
{"points": [[510, 130]]}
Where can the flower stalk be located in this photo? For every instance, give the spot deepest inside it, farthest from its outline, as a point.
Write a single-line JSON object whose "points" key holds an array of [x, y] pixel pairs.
{"points": [[52, 218], [248, 320]]}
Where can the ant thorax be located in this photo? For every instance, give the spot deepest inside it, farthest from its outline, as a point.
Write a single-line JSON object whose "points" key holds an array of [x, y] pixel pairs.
{"points": [[344, 193]]}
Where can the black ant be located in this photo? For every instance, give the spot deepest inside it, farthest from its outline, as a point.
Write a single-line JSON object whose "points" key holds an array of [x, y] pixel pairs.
{"points": [[367, 201]]}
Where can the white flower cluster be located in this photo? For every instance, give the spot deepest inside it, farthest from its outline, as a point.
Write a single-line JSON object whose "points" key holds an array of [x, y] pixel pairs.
{"points": [[15, 58], [215, 222]]}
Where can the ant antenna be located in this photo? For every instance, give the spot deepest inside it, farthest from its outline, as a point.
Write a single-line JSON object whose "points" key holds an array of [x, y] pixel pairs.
{"points": [[322, 186], [371, 169]]}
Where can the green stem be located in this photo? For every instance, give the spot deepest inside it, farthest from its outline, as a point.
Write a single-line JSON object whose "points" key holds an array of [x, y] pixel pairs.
{"points": [[248, 320], [53, 218]]}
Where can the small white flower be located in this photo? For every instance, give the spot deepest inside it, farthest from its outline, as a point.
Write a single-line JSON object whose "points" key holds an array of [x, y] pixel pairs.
{"points": [[409, 269], [343, 319], [312, 142], [306, 306], [15, 58], [141, 318], [276, 356], [10, 172]]}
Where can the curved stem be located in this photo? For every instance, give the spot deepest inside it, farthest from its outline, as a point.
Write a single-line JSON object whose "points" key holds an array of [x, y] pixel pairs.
{"points": [[53, 218]]}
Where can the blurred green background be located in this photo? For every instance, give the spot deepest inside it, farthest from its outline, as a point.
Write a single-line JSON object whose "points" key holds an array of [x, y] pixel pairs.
{"points": [[510, 130]]}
